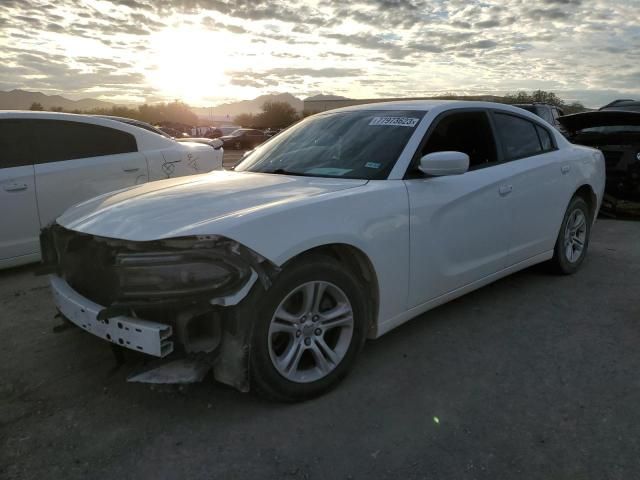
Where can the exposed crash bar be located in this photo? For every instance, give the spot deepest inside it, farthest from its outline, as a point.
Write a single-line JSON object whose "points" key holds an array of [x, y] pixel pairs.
{"points": [[135, 334]]}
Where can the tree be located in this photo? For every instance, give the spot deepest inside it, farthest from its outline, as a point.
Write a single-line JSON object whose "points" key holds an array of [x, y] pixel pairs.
{"points": [[276, 115], [539, 96], [547, 97], [245, 120], [174, 112], [36, 107], [573, 107]]}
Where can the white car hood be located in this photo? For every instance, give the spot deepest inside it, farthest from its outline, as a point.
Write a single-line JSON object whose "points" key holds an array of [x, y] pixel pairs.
{"points": [[192, 205]]}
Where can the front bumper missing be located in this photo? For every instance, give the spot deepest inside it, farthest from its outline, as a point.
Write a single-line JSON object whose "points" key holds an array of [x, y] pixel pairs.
{"points": [[140, 335], [209, 330]]}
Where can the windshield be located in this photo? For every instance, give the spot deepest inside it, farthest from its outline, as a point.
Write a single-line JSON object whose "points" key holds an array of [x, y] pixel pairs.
{"points": [[237, 133], [361, 144]]}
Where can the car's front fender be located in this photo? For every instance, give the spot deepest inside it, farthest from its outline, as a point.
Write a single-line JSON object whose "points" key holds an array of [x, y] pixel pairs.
{"points": [[373, 219]]}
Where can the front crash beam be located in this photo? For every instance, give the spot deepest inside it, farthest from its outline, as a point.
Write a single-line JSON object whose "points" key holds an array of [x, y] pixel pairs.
{"points": [[133, 333]]}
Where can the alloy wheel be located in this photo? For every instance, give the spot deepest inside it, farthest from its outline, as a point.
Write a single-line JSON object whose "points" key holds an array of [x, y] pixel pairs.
{"points": [[310, 331], [575, 235]]}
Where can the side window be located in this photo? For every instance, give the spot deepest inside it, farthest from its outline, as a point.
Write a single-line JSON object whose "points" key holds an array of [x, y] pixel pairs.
{"points": [[548, 115], [63, 140], [468, 132], [16, 143], [545, 138], [518, 136]]}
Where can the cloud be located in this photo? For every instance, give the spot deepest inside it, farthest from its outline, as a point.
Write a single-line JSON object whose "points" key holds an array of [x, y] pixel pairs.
{"points": [[360, 48]]}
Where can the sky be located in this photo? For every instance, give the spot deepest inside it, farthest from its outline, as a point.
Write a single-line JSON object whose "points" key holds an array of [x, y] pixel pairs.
{"points": [[206, 52]]}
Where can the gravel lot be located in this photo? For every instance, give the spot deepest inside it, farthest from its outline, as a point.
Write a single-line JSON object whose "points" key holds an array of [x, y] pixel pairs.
{"points": [[535, 376]]}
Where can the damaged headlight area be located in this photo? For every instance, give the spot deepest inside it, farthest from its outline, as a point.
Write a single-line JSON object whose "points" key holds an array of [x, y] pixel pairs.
{"points": [[174, 275], [118, 273], [179, 300]]}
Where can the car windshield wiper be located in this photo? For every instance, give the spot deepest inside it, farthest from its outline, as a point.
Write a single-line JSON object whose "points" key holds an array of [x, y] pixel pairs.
{"points": [[282, 171]]}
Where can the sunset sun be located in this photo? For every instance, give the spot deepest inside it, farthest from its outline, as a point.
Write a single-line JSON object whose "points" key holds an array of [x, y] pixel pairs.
{"points": [[189, 65]]}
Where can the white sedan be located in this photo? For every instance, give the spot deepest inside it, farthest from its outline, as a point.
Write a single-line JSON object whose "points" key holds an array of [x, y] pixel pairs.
{"points": [[50, 161], [341, 228]]}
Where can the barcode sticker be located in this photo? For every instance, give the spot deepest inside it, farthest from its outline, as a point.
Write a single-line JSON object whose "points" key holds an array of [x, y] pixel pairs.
{"points": [[394, 121]]}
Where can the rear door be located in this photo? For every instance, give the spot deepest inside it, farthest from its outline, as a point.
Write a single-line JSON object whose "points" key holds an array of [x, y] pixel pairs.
{"points": [[19, 225], [538, 187], [78, 161]]}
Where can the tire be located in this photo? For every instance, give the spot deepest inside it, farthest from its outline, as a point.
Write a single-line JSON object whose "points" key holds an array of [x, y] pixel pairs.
{"points": [[290, 340], [568, 255]]}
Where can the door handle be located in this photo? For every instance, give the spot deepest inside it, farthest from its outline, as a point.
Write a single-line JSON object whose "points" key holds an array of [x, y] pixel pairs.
{"points": [[14, 187], [565, 169], [130, 169], [505, 190]]}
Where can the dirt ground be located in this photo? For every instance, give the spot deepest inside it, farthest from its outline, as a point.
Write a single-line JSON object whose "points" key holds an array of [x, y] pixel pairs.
{"points": [[535, 376]]}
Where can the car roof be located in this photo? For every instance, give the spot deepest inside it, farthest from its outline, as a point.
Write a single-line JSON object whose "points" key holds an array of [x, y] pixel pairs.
{"points": [[146, 138], [70, 117], [427, 105], [626, 104]]}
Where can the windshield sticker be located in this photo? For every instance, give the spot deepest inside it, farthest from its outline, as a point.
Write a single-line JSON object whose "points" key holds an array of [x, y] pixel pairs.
{"points": [[395, 121], [334, 172], [372, 165]]}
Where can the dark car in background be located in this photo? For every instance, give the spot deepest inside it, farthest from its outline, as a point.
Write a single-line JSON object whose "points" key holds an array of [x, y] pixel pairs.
{"points": [[549, 113], [244, 139], [623, 104], [615, 130]]}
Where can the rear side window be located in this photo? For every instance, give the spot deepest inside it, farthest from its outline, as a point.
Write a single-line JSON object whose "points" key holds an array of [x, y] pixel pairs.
{"points": [[63, 140], [545, 138], [16, 143], [547, 115], [518, 136]]}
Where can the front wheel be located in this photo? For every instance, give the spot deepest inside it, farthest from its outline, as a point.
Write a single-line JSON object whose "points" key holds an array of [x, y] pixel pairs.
{"points": [[573, 238], [310, 328]]}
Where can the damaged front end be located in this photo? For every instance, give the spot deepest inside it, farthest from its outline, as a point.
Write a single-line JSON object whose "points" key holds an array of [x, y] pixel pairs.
{"points": [[167, 298]]}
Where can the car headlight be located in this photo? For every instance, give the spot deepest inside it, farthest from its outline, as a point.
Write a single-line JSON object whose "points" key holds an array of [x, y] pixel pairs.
{"points": [[175, 274], [638, 156]]}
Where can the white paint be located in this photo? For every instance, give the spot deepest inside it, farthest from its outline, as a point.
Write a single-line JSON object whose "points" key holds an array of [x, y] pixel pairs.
{"points": [[32, 196], [428, 239]]}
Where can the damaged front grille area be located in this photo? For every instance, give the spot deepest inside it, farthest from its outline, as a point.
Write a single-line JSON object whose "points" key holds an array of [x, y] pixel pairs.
{"points": [[128, 274], [167, 298]]}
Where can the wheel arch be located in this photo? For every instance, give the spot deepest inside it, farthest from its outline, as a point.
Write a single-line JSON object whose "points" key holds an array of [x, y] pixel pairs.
{"points": [[358, 263], [586, 192]]}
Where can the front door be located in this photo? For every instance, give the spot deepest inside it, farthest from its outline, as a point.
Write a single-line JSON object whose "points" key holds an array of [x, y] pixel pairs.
{"points": [[459, 224]]}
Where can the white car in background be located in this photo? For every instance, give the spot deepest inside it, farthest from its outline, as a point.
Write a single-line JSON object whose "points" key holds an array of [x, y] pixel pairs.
{"points": [[50, 161], [341, 228]]}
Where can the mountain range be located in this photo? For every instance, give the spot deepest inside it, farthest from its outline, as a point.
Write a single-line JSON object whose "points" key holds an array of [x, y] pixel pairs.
{"points": [[22, 100]]}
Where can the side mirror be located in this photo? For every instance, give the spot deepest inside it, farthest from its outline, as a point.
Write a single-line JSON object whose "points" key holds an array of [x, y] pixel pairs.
{"points": [[438, 164]]}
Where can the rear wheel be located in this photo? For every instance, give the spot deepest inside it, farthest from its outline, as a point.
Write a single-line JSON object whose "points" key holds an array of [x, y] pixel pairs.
{"points": [[310, 329], [573, 238]]}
